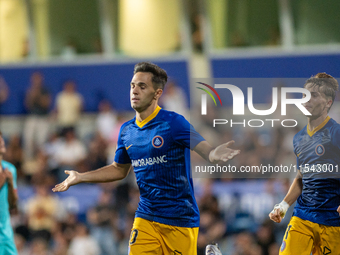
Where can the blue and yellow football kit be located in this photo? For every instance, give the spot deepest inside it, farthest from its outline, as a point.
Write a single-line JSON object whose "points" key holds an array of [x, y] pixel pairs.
{"points": [[7, 245], [315, 225], [167, 218]]}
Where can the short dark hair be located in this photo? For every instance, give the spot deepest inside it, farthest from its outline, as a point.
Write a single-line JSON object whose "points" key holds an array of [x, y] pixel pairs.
{"points": [[326, 84], [159, 77]]}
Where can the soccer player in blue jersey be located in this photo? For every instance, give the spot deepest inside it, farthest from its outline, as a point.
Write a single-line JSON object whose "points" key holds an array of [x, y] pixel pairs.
{"points": [[157, 144], [8, 199], [315, 225]]}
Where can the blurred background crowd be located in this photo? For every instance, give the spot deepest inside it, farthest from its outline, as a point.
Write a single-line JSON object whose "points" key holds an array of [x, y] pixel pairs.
{"points": [[97, 218], [64, 93]]}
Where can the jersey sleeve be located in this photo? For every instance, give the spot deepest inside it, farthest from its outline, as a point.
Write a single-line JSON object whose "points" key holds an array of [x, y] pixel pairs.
{"points": [[15, 186], [184, 133], [336, 137], [13, 171], [121, 155]]}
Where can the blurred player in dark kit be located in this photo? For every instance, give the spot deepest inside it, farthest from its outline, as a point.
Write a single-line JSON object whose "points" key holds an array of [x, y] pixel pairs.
{"points": [[315, 225]]}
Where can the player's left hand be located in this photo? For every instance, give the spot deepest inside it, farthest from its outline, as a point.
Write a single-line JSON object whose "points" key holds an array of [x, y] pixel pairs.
{"points": [[2, 178], [223, 153], [338, 210], [8, 174]]}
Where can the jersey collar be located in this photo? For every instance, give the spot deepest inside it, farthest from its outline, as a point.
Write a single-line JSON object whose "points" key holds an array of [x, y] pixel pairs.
{"points": [[149, 118], [311, 133]]}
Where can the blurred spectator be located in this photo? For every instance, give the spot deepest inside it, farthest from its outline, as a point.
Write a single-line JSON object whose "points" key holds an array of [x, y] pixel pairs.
{"points": [[39, 246], [37, 102], [97, 156], [265, 236], [43, 210], [100, 220], [97, 45], [245, 245], [70, 49], [107, 120], [197, 34], [69, 105], [212, 225], [274, 36], [125, 231], [15, 153], [21, 244], [121, 118], [60, 243], [4, 90], [69, 152], [37, 168], [174, 99], [25, 48], [274, 249], [50, 149], [83, 243], [238, 39], [64, 233]]}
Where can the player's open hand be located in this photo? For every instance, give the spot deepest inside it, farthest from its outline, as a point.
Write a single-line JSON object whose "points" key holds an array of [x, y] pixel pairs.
{"points": [[338, 210], [223, 153], [72, 179]]}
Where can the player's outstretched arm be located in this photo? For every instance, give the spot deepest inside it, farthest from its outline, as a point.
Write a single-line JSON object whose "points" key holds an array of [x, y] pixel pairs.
{"points": [[222, 152], [113, 172], [279, 211]]}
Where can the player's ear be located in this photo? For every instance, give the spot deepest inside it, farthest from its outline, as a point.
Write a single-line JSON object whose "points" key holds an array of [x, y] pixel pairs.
{"points": [[329, 102], [158, 93]]}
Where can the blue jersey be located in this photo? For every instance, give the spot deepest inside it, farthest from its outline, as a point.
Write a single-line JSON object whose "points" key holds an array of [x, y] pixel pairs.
{"points": [[6, 232], [318, 156], [159, 150]]}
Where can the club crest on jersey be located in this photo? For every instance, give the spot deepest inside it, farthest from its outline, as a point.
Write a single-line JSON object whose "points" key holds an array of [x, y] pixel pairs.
{"points": [[157, 141], [319, 150]]}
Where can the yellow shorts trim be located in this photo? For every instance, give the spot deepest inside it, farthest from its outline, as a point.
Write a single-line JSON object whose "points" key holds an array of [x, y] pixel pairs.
{"points": [[149, 237], [304, 237]]}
